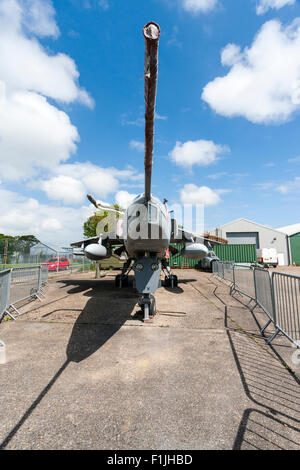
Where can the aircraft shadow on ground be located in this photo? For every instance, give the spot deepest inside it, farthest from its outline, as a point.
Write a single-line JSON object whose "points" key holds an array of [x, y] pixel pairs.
{"points": [[269, 385], [103, 315]]}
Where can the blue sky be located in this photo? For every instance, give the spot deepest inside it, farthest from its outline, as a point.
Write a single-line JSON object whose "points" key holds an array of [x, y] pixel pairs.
{"points": [[228, 102]]}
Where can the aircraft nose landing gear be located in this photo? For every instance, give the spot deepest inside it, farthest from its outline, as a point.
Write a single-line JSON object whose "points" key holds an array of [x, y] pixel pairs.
{"points": [[148, 307]]}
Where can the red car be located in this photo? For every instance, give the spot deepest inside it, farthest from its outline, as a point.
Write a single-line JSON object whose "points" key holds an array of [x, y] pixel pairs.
{"points": [[63, 263]]}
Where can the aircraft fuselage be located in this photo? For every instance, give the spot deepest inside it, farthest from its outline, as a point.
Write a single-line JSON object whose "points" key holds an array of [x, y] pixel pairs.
{"points": [[147, 227]]}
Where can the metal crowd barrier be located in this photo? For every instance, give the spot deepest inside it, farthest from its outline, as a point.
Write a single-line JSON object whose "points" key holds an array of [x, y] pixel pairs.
{"points": [[286, 289], [243, 280], [4, 291], [278, 295], [19, 284], [22, 283], [264, 294]]}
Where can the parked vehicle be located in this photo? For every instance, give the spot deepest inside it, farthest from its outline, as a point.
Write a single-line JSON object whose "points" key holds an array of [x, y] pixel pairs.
{"points": [[63, 263], [267, 257], [207, 262]]}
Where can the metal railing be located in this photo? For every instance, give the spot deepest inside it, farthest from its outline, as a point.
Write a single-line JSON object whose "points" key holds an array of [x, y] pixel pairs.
{"points": [[19, 284], [243, 281], [4, 291], [25, 283], [286, 289], [278, 295]]}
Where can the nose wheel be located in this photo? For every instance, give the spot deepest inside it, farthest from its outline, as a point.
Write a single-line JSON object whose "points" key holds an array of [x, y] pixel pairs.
{"points": [[148, 307]]}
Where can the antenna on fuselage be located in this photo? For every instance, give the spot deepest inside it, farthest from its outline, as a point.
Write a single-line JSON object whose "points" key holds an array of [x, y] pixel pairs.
{"points": [[151, 33]]}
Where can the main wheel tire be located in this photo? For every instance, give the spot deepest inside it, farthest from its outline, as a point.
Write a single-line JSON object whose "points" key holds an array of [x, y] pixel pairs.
{"points": [[174, 280], [121, 281], [118, 281]]}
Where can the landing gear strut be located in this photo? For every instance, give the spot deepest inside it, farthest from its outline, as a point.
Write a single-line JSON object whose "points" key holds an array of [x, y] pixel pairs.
{"points": [[148, 306], [121, 280], [171, 280]]}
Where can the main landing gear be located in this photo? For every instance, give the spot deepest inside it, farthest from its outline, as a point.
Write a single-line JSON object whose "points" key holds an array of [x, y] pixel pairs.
{"points": [[121, 280], [171, 280]]}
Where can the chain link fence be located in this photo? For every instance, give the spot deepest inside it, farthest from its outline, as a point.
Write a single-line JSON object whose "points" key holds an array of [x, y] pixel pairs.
{"points": [[278, 295]]}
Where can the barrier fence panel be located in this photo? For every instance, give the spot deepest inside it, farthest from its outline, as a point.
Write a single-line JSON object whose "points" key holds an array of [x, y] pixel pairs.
{"points": [[278, 295], [286, 290], [44, 275], [24, 283], [264, 293], [244, 280], [4, 291], [217, 268], [228, 271]]}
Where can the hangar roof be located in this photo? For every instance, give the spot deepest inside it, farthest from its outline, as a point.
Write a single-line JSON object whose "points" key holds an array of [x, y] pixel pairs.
{"points": [[255, 223], [290, 229]]}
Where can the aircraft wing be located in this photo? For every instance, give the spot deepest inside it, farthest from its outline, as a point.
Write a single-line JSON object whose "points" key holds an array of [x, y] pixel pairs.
{"points": [[85, 242], [183, 236], [107, 238], [190, 237]]}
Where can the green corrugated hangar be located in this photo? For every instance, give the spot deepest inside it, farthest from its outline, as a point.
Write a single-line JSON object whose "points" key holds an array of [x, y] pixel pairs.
{"points": [[244, 231], [293, 233]]}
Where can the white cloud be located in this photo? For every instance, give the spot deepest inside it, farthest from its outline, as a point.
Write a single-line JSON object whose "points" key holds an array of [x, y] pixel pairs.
{"points": [[199, 152], [34, 133], [38, 17], [216, 176], [230, 54], [264, 5], [263, 84], [73, 181], [294, 160], [160, 117], [123, 198], [104, 4], [196, 6], [192, 194], [139, 146], [25, 65], [64, 188], [49, 223], [290, 187]]}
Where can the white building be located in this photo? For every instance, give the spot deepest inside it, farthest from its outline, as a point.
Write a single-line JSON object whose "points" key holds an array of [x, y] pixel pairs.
{"points": [[245, 232]]}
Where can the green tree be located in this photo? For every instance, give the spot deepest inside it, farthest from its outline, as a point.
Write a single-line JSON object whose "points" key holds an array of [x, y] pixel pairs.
{"points": [[17, 244], [90, 226]]}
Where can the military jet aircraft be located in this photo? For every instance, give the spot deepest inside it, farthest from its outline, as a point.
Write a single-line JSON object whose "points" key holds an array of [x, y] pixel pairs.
{"points": [[148, 230]]}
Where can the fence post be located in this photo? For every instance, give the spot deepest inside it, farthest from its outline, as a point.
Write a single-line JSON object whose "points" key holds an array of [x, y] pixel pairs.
{"points": [[4, 295], [39, 282], [232, 288], [274, 303]]}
